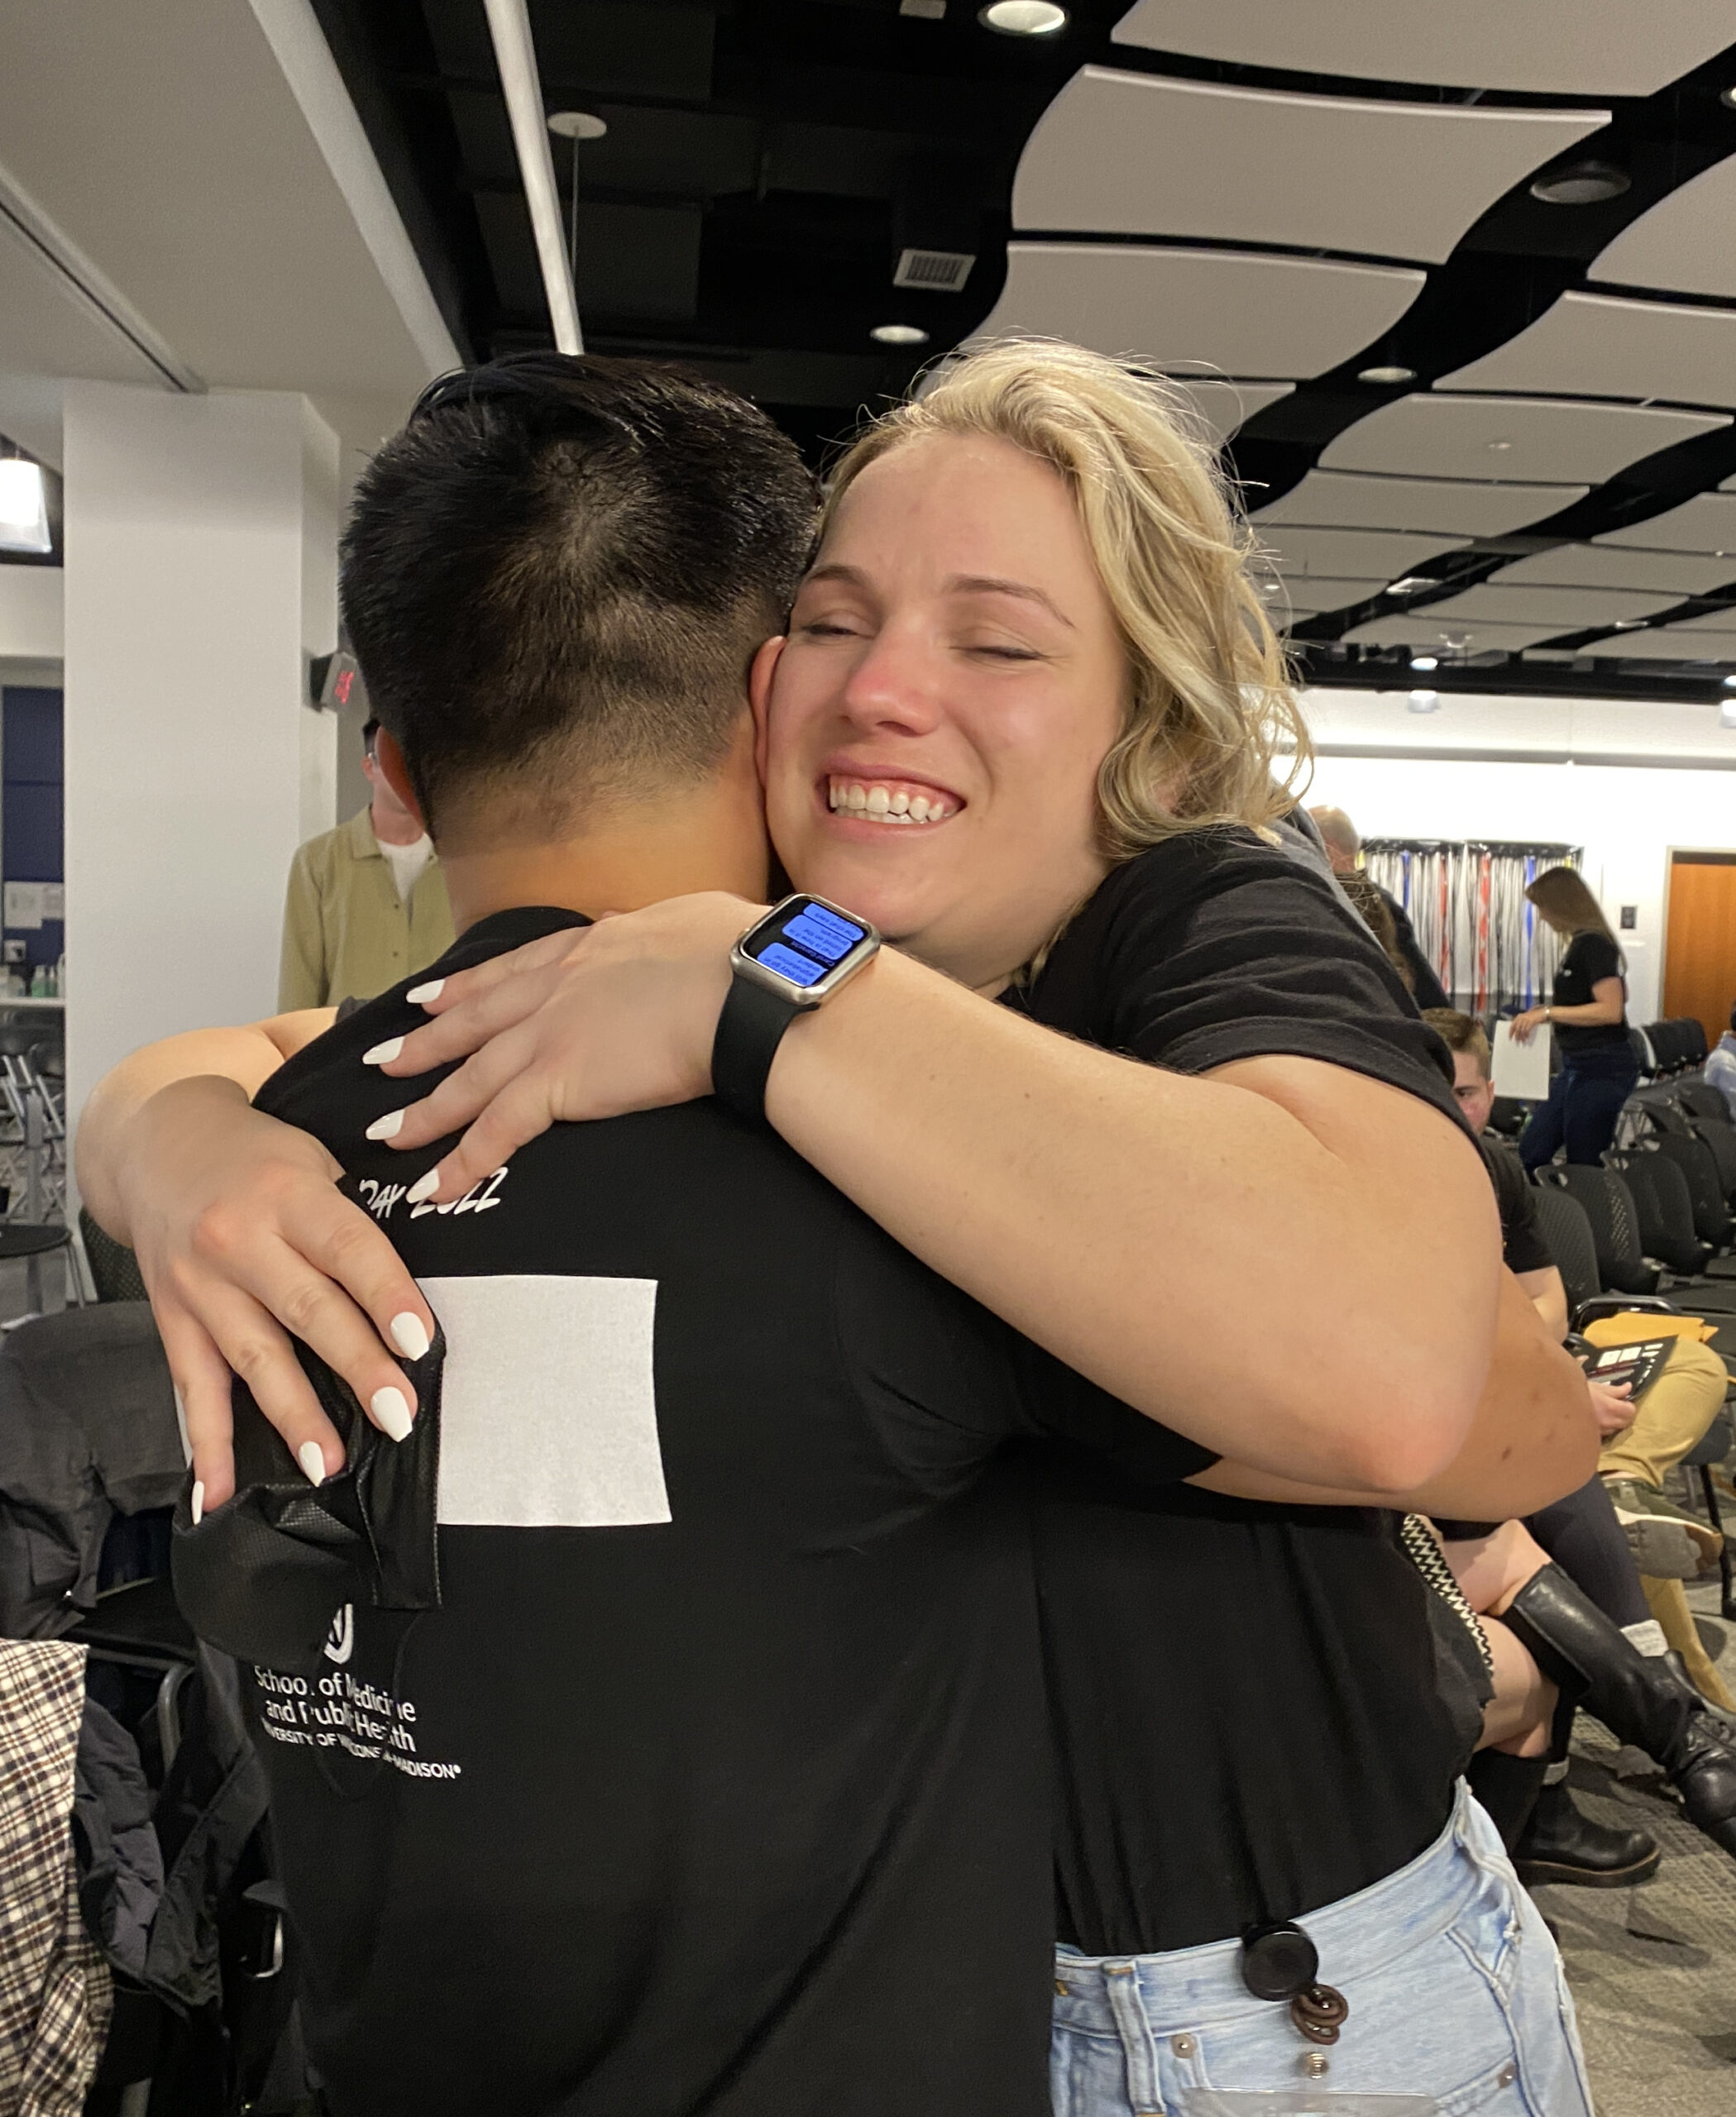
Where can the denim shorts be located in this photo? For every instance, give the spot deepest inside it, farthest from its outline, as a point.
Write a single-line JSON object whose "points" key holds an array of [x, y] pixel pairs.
{"points": [[1457, 2002]]}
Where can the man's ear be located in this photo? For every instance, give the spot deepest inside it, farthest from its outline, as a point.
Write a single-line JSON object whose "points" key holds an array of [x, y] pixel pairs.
{"points": [[759, 697], [389, 762]]}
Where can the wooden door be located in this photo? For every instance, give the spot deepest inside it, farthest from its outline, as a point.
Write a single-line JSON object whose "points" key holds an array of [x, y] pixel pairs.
{"points": [[1699, 950]]}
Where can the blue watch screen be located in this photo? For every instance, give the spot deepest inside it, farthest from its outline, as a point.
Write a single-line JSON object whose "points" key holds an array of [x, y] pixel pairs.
{"points": [[808, 943]]}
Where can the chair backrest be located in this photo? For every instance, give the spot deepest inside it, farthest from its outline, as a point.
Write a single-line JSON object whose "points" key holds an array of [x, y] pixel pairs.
{"points": [[1693, 1157], [1719, 1135], [1659, 1194], [114, 1270], [1568, 1233], [1609, 1206], [1658, 1035], [1700, 1099], [1643, 1055], [1693, 1040], [1660, 1110]]}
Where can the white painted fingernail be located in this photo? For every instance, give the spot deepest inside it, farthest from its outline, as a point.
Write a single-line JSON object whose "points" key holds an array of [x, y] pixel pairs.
{"points": [[199, 1502], [408, 1335], [418, 996], [424, 1187], [312, 1458], [387, 1127], [391, 1413], [382, 1054]]}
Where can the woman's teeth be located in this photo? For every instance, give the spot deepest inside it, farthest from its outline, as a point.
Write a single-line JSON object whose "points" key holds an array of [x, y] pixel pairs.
{"points": [[883, 804]]}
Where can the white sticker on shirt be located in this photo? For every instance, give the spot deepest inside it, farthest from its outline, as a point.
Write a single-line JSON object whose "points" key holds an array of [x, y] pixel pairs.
{"points": [[548, 1405]]}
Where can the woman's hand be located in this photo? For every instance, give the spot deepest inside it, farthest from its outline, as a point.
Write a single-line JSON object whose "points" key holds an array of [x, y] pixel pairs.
{"points": [[590, 1023], [1525, 1026], [242, 1237]]}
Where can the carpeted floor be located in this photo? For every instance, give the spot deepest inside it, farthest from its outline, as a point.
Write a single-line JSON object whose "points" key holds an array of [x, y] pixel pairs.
{"points": [[1653, 1969]]}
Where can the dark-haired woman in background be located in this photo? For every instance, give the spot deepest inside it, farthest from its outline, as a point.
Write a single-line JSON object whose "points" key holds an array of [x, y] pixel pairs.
{"points": [[1589, 1014]]}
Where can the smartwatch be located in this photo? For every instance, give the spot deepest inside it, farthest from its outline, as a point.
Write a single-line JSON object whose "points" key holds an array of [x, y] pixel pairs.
{"points": [[796, 958]]}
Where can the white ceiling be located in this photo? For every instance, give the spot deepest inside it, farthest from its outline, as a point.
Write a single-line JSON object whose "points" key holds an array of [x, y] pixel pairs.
{"points": [[1222, 407], [1329, 499], [1220, 309], [1598, 345], [1422, 629], [1307, 595], [203, 155], [1665, 643], [1562, 610], [1713, 621], [1707, 523], [1682, 244], [1598, 566], [1548, 47], [1548, 440], [47, 328], [1135, 154], [1350, 554]]}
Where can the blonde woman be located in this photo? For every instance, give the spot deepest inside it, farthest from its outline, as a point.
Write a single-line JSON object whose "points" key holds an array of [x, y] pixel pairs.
{"points": [[1588, 1010], [1029, 712]]}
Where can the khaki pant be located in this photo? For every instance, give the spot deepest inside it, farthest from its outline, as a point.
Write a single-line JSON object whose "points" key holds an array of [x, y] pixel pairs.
{"points": [[1670, 1418], [1671, 1422]]}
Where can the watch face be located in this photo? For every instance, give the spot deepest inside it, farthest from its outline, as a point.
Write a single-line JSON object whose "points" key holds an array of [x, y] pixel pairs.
{"points": [[803, 941]]}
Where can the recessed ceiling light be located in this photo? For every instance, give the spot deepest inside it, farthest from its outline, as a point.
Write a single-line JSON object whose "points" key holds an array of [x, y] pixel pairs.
{"points": [[1582, 183], [1425, 661], [1729, 97], [1730, 683], [1500, 446], [898, 334], [1630, 624], [577, 125], [1386, 374], [1423, 701], [1411, 584], [1727, 710], [1023, 17], [23, 507]]}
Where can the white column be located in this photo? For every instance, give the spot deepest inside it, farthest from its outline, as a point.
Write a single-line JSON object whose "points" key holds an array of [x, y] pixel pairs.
{"points": [[200, 575]]}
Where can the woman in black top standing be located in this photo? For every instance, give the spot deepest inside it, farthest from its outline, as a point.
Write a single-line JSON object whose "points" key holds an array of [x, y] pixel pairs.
{"points": [[1589, 1014]]}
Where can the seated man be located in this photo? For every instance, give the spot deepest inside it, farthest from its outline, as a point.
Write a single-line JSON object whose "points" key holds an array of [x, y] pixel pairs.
{"points": [[1720, 1066], [1580, 1532]]}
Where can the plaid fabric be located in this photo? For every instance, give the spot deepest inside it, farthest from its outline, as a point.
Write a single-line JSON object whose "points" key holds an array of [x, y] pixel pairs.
{"points": [[55, 1990]]}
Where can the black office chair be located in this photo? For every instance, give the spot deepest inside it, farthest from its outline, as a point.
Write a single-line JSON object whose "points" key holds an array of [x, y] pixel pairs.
{"points": [[1568, 1234], [1693, 1041], [1644, 1056], [1718, 1439], [1700, 1099], [1665, 1212], [1694, 1158], [1608, 1208], [114, 1270], [1721, 1139]]}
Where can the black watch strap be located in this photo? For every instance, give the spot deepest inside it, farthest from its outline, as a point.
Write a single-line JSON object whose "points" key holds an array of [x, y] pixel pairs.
{"points": [[749, 1030]]}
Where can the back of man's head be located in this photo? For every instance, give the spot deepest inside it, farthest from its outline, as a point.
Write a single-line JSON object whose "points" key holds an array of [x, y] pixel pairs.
{"points": [[556, 576], [1461, 1032], [1339, 833]]}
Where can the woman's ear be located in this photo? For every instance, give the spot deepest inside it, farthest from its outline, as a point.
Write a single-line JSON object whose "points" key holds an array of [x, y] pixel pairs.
{"points": [[389, 762], [759, 697]]}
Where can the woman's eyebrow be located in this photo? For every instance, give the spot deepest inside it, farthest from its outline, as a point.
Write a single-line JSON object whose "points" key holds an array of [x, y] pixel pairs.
{"points": [[851, 576], [974, 584]]}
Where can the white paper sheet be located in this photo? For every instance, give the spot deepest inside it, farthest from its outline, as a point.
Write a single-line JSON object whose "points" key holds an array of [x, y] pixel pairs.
{"points": [[1522, 1070]]}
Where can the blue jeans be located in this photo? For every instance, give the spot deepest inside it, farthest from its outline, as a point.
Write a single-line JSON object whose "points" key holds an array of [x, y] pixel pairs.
{"points": [[1456, 1997], [1585, 1098]]}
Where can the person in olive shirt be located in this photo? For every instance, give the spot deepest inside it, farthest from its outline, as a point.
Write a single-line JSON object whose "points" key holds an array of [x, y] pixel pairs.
{"points": [[366, 904], [1589, 1014]]}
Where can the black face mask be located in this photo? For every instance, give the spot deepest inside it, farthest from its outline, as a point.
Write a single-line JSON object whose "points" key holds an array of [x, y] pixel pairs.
{"points": [[264, 1576]]}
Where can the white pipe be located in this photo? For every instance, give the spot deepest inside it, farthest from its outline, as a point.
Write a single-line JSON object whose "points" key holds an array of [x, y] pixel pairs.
{"points": [[516, 56]]}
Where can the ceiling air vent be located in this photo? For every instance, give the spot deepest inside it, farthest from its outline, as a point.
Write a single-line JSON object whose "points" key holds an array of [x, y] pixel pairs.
{"points": [[941, 271]]}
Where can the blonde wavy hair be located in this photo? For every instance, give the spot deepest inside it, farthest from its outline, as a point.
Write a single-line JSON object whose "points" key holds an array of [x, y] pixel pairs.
{"points": [[1211, 713]]}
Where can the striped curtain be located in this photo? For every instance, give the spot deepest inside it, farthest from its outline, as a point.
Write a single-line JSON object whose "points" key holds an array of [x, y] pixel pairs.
{"points": [[1467, 901]]}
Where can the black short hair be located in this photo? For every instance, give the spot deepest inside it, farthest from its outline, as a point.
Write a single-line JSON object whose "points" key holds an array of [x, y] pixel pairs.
{"points": [[370, 729], [556, 575]]}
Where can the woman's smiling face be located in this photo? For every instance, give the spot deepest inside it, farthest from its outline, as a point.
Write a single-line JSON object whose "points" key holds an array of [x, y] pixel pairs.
{"points": [[953, 679]]}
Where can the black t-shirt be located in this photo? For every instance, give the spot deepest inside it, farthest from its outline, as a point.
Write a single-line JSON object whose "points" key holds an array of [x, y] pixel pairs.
{"points": [[718, 1781], [1591, 957], [1523, 1248], [1248, 1723]]}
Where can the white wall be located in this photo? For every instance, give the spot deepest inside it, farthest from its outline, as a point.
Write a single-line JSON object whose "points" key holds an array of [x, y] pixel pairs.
{"points": [[198, 568], [31, 617], [1565, 770]]}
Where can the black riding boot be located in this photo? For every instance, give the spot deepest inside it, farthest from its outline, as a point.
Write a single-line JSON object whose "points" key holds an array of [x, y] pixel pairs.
{"points": [[1639, 1697], [1508, 1788]]}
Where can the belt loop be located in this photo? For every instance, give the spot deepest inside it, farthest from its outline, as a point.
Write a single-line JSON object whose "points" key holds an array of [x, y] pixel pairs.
{"points": [[1120, 1980]]}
